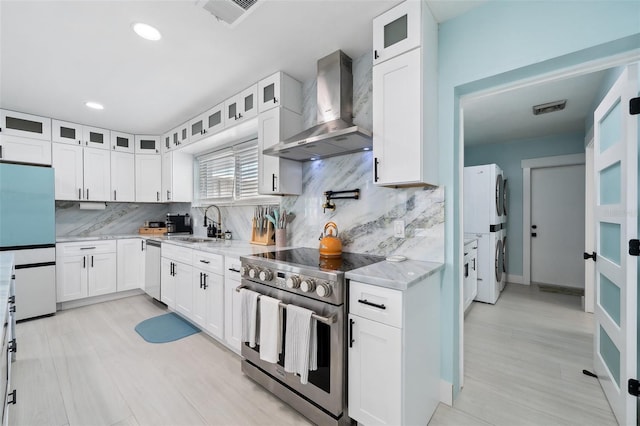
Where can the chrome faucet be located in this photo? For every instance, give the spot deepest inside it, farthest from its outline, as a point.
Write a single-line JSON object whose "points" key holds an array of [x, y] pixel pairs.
{"points": [[214, 228]]}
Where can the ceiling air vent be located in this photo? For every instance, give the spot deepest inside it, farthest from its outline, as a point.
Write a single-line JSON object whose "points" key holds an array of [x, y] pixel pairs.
{"points": [[549, 107], [231, 12]]}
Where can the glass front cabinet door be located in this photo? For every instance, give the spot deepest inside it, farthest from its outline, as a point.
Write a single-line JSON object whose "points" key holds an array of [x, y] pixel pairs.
{"points": [[396, 31], [208, 123], [146, 144], [122, 142], [25, 125], [66, 132], [95, 137]]}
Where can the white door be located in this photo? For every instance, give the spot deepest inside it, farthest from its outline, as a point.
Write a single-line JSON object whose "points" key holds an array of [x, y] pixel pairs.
{"points": [[182, 275], [199, 312], [214, 286], [101, 273], [557, 225], [616, 222], [130, 254], [167, 283], [71, 277]]}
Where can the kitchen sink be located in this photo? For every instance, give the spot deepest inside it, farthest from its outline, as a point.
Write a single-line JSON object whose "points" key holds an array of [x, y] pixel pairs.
{"points": [[194, 239]]}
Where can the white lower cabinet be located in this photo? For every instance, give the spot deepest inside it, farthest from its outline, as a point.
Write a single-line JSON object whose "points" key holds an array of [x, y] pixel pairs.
{"points": [[182, 278], [394, 353], [131, 258], [208, 284], [232, 304], [167, 283], [85, 269]]}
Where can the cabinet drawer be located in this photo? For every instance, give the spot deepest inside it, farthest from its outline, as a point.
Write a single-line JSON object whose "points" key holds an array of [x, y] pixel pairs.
{"points": [[376, 303], [177, 253], [85, 247], [232, 268], [209, 262]]}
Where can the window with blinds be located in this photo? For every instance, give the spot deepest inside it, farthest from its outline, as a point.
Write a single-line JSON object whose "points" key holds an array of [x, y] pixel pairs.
{"points": [[229, 174]]}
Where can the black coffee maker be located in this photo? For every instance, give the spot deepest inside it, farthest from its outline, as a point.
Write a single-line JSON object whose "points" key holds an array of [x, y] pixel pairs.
{"points": [[179, 224]]}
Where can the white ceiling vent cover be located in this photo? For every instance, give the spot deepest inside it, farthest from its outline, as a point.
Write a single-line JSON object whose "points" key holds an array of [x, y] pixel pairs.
{"points": [[231, 12]]}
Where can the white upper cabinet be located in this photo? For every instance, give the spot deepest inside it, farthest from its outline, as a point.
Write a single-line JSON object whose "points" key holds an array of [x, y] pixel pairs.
{"points": [[25, 150], [179, 136], [148, 172], [97, 174], [278, 175], [123, 176], [25, 125], [67, 163], [208, 123], [280, 89], [177, 177], [66, 132], [122, 142], [405, 110], [396, 31], [242, 106], [95, 137], [147, 144]]}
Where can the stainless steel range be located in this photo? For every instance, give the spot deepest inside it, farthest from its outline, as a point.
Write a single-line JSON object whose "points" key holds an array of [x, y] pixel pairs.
{"points": [[301, 277]]}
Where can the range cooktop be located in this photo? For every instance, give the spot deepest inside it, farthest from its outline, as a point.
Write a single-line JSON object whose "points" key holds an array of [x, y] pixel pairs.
{"points": [[310, 258]]}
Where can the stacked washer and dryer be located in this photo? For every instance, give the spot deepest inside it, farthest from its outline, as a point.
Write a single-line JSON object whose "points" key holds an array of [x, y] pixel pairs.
{"points": [[485, 219]]}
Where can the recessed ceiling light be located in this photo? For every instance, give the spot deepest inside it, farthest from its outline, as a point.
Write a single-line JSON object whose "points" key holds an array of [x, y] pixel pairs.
{"points": [[313, 158], [94, 105], [366, 148], [147, 31]]}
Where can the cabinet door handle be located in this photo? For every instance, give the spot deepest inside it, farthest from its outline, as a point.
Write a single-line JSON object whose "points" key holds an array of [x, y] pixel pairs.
{"points": [[351, 339], [273, 181], [12, 346], [234, 270], [375, 169], [79, 193], [142, 245], [200, 279], [12, 397], [87, 193], [168, 195], [204, 286], [0, 151], [474, 264], [275, 100], [158, 196], [114, 195], [205, 261], [84, 262], [375, 305], [87, 248], [375, 54], [92, 261]]}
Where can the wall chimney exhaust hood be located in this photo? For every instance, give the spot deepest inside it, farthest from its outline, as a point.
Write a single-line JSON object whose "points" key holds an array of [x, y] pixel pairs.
{"points": [[335, 133]]}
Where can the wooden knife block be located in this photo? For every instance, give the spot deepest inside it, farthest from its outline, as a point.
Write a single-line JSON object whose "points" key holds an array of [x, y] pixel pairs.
{"points": [[268, 237]]}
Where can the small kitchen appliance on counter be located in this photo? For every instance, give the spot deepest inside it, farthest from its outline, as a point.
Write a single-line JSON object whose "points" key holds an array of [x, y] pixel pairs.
{"points": [[302, 277], [178, 224]]}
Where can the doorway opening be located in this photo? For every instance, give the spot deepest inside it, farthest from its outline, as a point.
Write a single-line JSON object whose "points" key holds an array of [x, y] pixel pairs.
{"points": [[526, 301]]}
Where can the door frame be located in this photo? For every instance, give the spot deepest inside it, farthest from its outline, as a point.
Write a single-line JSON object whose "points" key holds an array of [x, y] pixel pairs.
{"points": [[589, 230], [527, 165], [582, 68]]}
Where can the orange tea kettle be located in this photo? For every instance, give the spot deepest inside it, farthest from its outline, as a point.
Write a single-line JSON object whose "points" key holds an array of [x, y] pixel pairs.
{"points": [[330, 245]]}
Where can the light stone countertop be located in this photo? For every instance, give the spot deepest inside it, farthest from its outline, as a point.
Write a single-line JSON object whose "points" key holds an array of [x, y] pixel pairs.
{"points": [[395, 275], [232, 248]]}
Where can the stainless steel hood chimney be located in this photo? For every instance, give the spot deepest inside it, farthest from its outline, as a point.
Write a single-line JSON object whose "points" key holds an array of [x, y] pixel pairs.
{"points": [[335, 133]]}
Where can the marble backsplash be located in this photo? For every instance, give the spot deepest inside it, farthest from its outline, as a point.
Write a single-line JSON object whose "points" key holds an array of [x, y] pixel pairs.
{"points": [[115, 219]]}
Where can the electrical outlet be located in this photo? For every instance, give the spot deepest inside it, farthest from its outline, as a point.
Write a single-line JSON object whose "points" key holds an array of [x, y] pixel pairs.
{"points": [[398, 228]]}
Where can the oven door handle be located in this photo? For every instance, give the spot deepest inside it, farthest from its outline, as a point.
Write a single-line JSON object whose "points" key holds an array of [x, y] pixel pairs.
{"points": [[325, 320]]}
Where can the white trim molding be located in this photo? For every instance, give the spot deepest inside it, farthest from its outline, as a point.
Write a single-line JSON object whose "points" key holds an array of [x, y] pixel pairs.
{"points": [[446, 392], [527, 165]]}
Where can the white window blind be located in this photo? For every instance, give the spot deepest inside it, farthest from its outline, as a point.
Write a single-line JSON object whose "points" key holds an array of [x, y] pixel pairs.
{"points": [[217, 175], [246, 170], [229, 174]]}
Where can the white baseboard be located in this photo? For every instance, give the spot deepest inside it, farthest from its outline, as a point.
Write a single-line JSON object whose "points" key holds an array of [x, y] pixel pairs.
{"points": [[97, 299], [446, 392], [515, 279]]}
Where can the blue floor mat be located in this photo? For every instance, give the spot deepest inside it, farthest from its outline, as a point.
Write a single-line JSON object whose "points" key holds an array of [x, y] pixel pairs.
{"points": [[165, 328]]}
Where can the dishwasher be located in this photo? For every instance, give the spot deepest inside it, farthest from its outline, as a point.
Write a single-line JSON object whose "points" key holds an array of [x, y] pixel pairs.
{"points": [[152, 269]]}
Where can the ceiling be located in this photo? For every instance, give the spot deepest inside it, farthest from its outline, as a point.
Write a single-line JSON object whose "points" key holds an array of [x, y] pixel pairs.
{"points": [[508, 116], [57, 55]]}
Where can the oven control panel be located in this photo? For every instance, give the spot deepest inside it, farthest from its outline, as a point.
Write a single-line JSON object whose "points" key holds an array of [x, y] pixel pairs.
{"points": [[293, 282]]}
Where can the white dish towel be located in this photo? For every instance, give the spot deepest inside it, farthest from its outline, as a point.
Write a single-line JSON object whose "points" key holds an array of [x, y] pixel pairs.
{"points": [[301, 343], [249, 311], [270, 326]]}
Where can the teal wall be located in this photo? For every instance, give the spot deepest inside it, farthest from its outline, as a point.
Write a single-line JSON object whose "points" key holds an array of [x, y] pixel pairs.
{"points": [[498, 43], [509, 157]]}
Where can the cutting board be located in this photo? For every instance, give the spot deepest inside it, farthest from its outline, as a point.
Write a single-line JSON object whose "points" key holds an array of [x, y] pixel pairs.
{"points": [[152, 231]]}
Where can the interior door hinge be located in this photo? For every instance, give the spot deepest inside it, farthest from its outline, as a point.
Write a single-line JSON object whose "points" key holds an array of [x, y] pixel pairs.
{"points": [[634, 247], [634, 106], [634, 387]]}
